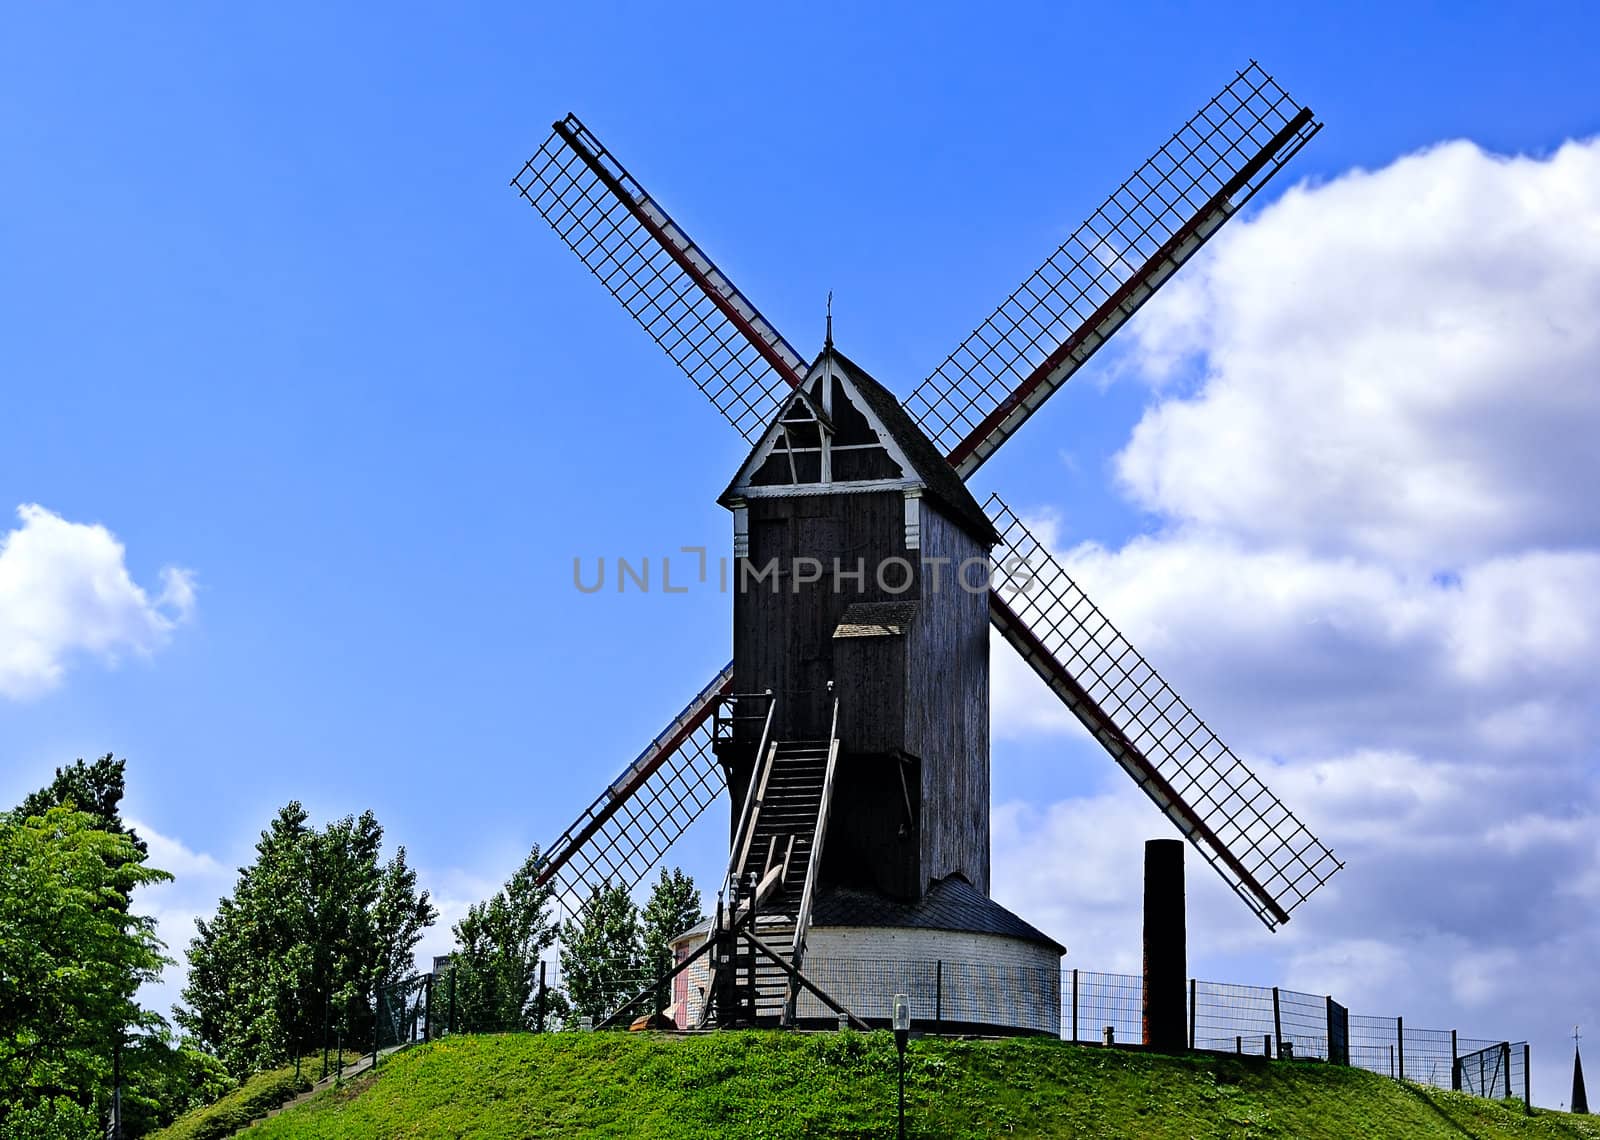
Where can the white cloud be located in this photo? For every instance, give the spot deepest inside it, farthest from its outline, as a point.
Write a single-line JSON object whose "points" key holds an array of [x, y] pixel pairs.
{"points": [[65, 591], [1376, 572], [1399, 363]]}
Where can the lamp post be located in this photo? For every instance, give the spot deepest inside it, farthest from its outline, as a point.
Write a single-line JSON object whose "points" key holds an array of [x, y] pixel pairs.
{"points": [[902, 1031]]}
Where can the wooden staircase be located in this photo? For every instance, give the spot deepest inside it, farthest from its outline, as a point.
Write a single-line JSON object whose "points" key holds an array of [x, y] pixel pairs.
{"points": [[756, 946], [778, 856], [771, 881]]}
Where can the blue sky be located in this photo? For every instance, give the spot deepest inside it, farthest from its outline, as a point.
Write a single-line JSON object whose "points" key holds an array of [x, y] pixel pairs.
{"points": [[269, 313]]}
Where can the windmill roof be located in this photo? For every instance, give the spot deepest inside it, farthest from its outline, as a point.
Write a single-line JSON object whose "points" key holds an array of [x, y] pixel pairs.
{"points": [[952, 903], [942, 481], [929, 467]]}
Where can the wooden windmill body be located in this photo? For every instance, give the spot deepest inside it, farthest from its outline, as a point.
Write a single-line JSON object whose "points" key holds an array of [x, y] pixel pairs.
{"points": [[885, 628], [862, 608], [850, 732]]}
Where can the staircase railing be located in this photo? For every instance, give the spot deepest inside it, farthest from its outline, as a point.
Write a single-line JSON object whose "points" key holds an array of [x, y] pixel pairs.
{"points": [[726, 914], [747, 813], [808, 896]]}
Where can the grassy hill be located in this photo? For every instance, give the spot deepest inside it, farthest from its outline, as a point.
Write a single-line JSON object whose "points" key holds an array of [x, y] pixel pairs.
{"points": [[777, 1085]]}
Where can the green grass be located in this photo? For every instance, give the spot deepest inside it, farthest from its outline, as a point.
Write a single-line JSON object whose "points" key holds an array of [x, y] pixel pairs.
{"points": [[254, 1098], [781, 1085]]}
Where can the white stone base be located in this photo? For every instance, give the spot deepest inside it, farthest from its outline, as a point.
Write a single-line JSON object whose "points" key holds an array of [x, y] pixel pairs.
{"points": [[954, 978], [957, 981]]}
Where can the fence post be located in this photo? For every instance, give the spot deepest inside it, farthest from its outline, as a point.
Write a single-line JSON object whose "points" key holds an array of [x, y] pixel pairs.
{"points": [[1400, 1044], [542, 992], [938, 994], [1266, 1045], [1074, 1005], [377, 1021], [1338, 1018], [451, 1025], [1277, 1024], [1527, 1082], [1455, 1064], [1505, 1063], [1238, 1044], [326, 1000], [1191, 1013], [427, 1008]]}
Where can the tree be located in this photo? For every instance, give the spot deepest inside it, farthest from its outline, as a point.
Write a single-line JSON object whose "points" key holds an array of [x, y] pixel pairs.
{"points": [[495, 967], [71, 958], [602, 956], [315, 925], [95, 788], [673, 907], [164, 1077]]}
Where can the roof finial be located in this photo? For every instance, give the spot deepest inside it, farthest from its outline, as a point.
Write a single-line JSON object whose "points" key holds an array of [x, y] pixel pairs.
{"points": [[828, 343]]}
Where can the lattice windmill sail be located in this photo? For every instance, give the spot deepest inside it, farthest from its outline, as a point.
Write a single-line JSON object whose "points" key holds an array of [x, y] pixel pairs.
{"points": [[826, 432]]}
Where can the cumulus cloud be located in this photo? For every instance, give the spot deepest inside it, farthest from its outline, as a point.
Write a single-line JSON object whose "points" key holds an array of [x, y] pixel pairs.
{"points": [[65, 592], [1375, 569], [1398, 363]]}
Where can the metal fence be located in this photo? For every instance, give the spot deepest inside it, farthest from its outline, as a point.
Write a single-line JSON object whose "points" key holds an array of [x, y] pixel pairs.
{"points": [[1229, 1018], [1276, 1022], [1095, 1002]]}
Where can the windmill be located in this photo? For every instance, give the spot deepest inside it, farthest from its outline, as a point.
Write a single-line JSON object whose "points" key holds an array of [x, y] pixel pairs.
{"points": [[851, 728]]}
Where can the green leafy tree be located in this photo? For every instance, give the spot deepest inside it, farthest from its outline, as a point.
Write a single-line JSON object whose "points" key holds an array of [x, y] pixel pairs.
{"points": [[495, 967], [95, 788], [315, 925], [673, 907], [602, 953], [71, 958], [164, 1077]]}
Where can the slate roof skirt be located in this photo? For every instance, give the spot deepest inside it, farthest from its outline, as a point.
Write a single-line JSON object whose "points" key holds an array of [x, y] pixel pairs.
{"points": [[952, 903]]}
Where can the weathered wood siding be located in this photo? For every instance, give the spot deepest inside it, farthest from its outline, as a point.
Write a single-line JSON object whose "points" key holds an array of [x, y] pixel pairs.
{"points": [[783, 639], [924, 695], [947, 706], [870, 675]]}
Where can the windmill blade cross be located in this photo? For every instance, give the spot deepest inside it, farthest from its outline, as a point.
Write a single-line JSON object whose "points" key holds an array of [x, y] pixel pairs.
{"points": [[664, 280], [1110, 266], [1259, 847]]}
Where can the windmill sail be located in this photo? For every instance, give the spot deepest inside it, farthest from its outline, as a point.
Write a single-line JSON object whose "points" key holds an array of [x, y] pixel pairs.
{"points": [[1255, 843], [666, 282], [1111, 265], [969, 407], [622, 836]]}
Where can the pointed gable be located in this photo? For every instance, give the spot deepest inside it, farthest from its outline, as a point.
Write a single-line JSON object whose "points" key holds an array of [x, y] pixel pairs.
{"points": [[844, 432]]}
